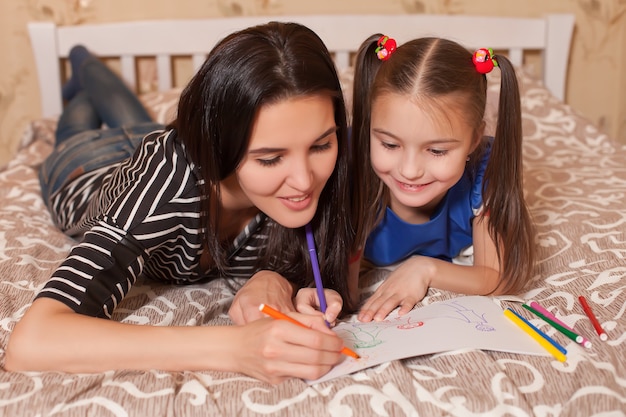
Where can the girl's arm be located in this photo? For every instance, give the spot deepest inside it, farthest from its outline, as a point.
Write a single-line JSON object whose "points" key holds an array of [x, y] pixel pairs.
{"points": [[478, 279], [51, 336], [408, 284]]}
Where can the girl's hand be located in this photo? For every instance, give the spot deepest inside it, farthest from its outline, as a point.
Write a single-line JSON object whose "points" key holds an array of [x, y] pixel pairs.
{"points": [[307, 302], [275, 350], [404, 287], [265, 287]]}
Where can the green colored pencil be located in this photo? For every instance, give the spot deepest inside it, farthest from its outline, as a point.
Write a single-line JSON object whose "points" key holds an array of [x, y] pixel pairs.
{"points": [[567, 332]]}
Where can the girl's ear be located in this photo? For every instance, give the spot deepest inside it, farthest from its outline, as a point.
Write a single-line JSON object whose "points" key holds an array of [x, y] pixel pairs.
{"points": [[478, 135]]}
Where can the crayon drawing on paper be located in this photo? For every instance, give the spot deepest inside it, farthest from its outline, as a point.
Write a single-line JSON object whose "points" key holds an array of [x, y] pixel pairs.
{"points": [[462, 323]]}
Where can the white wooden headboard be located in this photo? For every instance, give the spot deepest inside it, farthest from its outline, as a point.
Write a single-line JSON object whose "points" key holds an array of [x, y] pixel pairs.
{"points": [[342, 34]]}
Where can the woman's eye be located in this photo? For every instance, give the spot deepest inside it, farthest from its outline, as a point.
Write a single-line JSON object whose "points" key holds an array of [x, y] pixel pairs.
{"points": [[269, 162], [322, 147], [388, 145]]}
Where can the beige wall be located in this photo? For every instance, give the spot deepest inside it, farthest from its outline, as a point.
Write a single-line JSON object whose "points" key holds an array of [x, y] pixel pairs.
{"points": [[597, 74]]}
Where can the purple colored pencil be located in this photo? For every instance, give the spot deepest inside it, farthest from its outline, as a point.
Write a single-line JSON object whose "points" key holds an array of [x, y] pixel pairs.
{"points": [[316, 267]]}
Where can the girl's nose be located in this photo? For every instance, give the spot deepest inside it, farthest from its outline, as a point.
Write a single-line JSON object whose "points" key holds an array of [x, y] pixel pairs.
{"points": [[411, 167]]}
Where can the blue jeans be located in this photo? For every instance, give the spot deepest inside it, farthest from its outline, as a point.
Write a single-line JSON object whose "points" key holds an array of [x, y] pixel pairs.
{"points": [[82, 143]]}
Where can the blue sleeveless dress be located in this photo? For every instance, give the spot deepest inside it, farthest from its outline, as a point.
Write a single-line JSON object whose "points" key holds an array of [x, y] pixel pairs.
{"points": [[444, 236]]}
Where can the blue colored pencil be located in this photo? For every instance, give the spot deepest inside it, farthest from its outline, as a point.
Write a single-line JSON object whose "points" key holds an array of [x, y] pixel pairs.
{"points": [[542, 334], [522, 324]]}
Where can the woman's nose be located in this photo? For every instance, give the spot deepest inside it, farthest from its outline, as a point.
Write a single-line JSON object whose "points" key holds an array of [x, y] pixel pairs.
{"points": [[301, 176]]}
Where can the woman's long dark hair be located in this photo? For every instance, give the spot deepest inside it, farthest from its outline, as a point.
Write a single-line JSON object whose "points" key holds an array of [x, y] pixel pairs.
{"points": [[248, 69], [431, 69]]}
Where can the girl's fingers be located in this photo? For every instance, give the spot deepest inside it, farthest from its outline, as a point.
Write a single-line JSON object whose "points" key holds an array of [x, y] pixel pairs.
{"points": [[364, 313], [307, 302], [387, 307], [333, 297], [334, 304], [372, 304], [313, 321], [332, 311], [368, 310], [406, 305], [378, 307]]}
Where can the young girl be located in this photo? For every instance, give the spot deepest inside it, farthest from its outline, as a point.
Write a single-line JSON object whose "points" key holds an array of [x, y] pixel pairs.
{"points": [[258, 150], [428, 185]]}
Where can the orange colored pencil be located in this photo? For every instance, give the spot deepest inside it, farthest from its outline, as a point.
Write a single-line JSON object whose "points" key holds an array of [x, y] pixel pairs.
{"points": [[273, 313]]}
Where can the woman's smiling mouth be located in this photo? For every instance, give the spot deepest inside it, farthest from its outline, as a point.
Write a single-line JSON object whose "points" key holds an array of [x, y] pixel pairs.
{"points": [[297, 203]]}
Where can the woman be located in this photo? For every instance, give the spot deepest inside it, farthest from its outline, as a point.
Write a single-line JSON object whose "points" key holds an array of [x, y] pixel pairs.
{"points": [[258, 150]]}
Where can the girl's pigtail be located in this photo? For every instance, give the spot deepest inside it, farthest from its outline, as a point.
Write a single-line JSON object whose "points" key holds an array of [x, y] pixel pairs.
{"points": [[510, 224], [366, 67]]}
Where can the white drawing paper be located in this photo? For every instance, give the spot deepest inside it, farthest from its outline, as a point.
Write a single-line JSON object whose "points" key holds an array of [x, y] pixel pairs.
{"points": [[470, 322]]}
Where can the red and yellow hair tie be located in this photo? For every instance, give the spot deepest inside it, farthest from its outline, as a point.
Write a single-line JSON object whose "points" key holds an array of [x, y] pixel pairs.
{"points": [[484, 60], [385, 47]]}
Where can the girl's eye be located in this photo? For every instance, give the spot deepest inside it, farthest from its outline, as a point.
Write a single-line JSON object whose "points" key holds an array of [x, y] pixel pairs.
{"points": [[439, 152], [269, 162], [322, 147]]}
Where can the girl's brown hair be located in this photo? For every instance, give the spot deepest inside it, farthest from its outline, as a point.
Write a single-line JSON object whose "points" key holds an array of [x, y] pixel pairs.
{"points": [[427, 70]]}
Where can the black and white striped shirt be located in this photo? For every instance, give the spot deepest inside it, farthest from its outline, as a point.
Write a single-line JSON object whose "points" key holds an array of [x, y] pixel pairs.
{"points": [[141, 216]]}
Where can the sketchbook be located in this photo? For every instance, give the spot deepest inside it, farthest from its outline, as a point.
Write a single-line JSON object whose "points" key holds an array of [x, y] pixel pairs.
{"points": [[471, 322]]}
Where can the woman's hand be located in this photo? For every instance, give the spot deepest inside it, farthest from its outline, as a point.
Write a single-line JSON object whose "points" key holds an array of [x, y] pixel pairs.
{"points": [[404, 287], [265, 287], [308, 302], [275, 350], [269, 349]]}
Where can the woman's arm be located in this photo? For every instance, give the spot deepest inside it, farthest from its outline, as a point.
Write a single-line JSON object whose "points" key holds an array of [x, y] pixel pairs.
{"points": [[51, 336], [408, 284], [264, 287], [268, 287]]}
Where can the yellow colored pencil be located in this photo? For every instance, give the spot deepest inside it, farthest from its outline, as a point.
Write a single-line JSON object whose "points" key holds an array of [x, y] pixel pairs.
{"points": [[528, 330]]}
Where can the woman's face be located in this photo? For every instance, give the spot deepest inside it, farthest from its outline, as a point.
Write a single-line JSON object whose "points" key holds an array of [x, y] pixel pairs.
{"points": [[292, 153]]}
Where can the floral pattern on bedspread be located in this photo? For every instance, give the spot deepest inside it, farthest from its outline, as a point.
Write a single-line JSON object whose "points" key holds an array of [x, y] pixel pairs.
{"points": [[575, 179]]}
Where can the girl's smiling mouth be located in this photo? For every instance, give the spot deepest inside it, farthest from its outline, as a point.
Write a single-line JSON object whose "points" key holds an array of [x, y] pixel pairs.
{"points": [[411, 187]]}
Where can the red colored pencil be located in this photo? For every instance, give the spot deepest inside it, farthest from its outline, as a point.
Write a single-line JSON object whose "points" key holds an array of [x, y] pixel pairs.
{"points": [[592, 318], [273, 313]]}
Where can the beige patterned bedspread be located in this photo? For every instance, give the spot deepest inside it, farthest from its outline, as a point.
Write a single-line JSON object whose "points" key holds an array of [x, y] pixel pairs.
{"points": [[576, 186]]}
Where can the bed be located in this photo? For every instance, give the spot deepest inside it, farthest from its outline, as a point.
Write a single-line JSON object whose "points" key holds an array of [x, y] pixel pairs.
{"points": [[575, 180]]}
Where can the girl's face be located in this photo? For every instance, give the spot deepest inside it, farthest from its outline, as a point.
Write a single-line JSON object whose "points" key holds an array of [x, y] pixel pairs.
{"points": [[292, 152], [419, 156]]}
